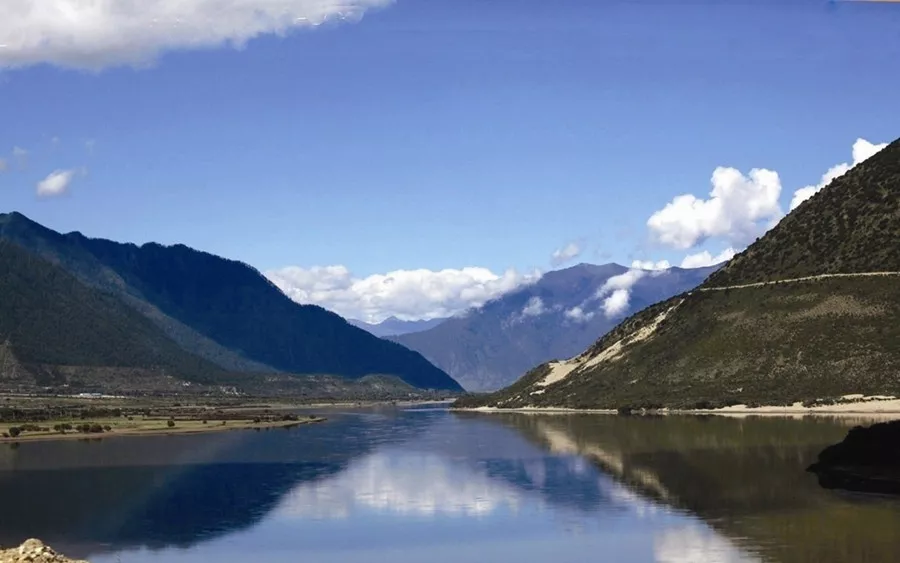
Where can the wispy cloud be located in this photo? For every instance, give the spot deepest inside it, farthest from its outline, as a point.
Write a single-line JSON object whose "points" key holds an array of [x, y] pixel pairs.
{"points": [[57, 183], [565, 254]]}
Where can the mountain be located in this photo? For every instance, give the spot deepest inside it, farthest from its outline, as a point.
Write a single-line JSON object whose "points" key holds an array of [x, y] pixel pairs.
{"points": [[809, 312], [493, 345], [392, 326], [48, 318], [222, 310]]}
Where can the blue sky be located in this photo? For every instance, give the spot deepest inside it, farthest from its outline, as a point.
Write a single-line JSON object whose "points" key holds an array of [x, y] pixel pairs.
{"points": [[435, 134]]}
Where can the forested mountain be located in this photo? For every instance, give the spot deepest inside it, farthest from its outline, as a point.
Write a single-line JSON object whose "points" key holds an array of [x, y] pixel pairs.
{"points": [[49, 318], [222, 310]]}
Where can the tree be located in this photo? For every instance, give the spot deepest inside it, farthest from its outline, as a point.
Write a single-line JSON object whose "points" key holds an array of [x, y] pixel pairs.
{"points": [[170, 423], [14, 431]]}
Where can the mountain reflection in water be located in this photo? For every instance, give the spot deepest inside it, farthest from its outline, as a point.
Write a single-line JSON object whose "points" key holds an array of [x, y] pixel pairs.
{"points": [[408, 485]]}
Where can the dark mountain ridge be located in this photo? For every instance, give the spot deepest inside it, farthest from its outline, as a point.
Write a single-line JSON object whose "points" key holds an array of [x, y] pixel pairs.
{"points": [[224, 310]]}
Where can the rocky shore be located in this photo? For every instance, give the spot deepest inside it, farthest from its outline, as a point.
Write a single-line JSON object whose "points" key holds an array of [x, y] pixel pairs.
{"points": [[33, 551], [868, 460]]}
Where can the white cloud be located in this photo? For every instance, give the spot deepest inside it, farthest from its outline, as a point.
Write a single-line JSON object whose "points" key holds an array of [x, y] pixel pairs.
{"points": [[19, 152], [650, 265], [739, 209], [535, 307], [862, 150], [96, 34], [615, 294], [704, 259], [616, 303], [565, 254], [56, 184], [579, 315], [622, 281], [405, 294]]}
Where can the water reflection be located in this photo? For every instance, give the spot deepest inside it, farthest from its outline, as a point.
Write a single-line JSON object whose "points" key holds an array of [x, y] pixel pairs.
{"points": [[429, 484], [745, 477]]}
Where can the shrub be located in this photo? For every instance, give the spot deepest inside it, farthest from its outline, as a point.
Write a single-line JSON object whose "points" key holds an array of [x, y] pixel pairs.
{"points": [[96, 429], [14, 432], [256, 420], [170, 423], [107, 428], [204, 422]]}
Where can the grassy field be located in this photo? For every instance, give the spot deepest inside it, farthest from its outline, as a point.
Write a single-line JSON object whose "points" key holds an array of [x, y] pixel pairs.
{"points": [[53, 418]]}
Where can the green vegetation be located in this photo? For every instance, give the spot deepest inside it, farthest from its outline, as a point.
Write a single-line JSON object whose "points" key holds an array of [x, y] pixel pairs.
{"points": [[776, 344], [852, 225], [48, 318], [223, 309], [173, 312]]}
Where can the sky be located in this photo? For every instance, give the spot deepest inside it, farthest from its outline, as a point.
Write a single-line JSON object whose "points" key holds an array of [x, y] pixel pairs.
{"points": [[418, 157]]}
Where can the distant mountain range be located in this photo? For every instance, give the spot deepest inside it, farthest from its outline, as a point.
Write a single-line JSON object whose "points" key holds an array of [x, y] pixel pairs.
{"points": [[175, 311], [807, 313], [392, 326], [556, 317]]}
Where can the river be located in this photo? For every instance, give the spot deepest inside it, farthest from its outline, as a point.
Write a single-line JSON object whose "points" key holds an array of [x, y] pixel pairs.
{"points": [[425, 484]]}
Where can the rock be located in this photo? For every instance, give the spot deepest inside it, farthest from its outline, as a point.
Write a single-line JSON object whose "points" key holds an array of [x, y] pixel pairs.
{"points": [[33, 551], [868, 460]]}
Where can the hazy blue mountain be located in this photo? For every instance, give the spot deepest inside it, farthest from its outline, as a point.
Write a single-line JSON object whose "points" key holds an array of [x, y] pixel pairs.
{"points": [[494, 345], [223, 310], [392, 326]]}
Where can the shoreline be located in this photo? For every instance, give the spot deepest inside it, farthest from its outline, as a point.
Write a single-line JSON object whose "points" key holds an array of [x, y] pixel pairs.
{"points": [[142, 432], [874, 407]]}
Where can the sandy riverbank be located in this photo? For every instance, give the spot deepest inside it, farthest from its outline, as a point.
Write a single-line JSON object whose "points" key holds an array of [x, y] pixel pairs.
{"points": [[850, 405]]}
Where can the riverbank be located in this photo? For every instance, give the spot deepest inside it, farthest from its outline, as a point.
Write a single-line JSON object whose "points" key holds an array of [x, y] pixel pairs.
{"points": [[154, 427], [850, 405]]}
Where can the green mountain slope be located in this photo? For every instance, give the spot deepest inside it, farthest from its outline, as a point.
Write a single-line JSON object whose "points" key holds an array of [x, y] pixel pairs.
{"points": [[48, 318], [224, 310], [772, 343]]}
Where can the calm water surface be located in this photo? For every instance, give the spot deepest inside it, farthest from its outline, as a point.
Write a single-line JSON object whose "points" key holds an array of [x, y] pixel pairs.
{"points": [[429, 485]]}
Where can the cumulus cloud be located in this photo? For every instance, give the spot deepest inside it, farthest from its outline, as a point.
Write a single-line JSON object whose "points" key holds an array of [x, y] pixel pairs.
{"points": [[650, 265], [617, 303], [405, 294], [56, 184], [93, 35], [565, 254], [740, 208], [862, 151], [535, 307], [621, 281], [704, 259], [614, 294], [578, 314]]}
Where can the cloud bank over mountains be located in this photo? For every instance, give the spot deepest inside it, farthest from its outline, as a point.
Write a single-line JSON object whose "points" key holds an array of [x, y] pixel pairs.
{"points": [[405, 294], [102, 33]]}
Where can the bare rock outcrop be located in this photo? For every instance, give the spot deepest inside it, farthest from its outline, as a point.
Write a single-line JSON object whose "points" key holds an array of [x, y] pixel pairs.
{"points": [[33, 551]]}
